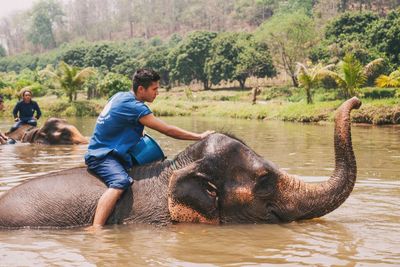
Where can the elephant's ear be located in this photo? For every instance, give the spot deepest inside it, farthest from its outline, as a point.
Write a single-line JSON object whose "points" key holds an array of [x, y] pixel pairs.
{"points": [[192, 196]]}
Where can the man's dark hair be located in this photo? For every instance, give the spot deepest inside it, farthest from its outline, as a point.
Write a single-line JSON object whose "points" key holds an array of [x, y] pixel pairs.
{"points": [[144, 77]]}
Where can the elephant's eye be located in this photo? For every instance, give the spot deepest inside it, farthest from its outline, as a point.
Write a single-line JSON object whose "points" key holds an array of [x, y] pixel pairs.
{"points": [[265, 185]]}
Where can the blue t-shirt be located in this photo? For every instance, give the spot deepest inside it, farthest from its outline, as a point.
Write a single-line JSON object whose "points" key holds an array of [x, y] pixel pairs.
{"points": [[118, 128]]}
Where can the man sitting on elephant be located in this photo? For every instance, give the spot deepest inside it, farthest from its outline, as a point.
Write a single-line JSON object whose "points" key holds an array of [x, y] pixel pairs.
{"points": [[119, 127], [24, 110]]}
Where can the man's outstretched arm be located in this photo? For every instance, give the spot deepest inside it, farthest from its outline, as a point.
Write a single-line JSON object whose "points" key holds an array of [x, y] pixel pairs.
{"points": [[170, 130]]}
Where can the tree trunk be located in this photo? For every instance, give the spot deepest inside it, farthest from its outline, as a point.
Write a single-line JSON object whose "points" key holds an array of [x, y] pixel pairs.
{"points": [[131, 28], [294, 80], [206, 84], [309, 96], [242, 83]]}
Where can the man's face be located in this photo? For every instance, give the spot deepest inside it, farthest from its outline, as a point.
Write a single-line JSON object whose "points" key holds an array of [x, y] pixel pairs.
{"points": [[27, 96], [149, 94]]}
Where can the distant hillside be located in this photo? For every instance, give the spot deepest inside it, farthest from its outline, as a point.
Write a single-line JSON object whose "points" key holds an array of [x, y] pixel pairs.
{"points": [[50, 23]]}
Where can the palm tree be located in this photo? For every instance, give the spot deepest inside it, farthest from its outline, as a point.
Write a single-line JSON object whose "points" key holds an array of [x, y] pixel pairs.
{"points": [[351, 74], [69, 78], [310, 77], [393, 80]]}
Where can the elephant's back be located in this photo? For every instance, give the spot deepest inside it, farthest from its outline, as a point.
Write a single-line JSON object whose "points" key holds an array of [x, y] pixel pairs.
{"points": [[63, 198]]}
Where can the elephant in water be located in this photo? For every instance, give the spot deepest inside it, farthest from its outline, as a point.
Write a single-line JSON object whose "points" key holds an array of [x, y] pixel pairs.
{"points": [[54, 132], [217, 180]]}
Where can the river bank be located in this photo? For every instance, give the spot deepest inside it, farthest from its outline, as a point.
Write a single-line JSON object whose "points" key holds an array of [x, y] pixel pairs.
{"points": [[271, 105]]}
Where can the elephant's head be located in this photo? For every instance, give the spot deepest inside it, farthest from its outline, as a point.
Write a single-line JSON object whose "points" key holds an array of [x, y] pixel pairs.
{"points": [[55, 132], [227, 182]]}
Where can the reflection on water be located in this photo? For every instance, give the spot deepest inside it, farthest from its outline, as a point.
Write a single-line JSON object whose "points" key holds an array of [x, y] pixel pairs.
{"points": [[362, 232]]}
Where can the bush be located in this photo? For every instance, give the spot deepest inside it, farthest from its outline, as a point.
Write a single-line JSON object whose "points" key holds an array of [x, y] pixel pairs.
{"points": [[377, 93], [270, 93]]}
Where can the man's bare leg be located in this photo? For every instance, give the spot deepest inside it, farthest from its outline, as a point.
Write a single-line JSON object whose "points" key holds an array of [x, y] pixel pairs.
{"points": [[106, 205]]}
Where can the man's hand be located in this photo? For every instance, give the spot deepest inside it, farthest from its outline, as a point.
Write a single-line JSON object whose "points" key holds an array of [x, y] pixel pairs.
{"points": [[205, 134], [3, 138], [16, 119]]}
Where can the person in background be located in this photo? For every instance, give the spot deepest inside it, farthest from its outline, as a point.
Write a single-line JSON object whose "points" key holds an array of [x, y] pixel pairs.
{"points": [[118, 129], [24, 110], [3, 138]]}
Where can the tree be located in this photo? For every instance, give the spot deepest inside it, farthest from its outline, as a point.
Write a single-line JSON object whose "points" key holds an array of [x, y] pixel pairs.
{"points": [[75, 55], [69, 78], [114, 83], [290, 37], [384, 35], [349, 27], [45, 14], [104, 54], [237, 56], [310, 77], [187, 61], [156, 58]]}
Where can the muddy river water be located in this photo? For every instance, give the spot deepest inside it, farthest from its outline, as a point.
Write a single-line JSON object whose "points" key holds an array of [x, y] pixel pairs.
{"points": [[364, 231]]}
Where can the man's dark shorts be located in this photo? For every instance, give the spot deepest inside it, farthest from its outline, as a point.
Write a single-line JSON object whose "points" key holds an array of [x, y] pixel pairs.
{"points": [[111, 171]]}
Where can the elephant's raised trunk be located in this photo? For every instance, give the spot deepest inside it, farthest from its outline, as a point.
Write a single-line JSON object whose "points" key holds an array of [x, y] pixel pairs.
{"points": [[308, 201]]}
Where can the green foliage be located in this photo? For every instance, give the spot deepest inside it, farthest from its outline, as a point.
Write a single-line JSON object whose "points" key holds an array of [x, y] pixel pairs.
{"points": [[320, 53], [384, 35], [237, 56], [350, 76], [128, 67], [378, 93], [276, 92], [103, 55], [187, 61], [156, 58], [290, 37], [349, 26], [114, 83], [75, 55]]}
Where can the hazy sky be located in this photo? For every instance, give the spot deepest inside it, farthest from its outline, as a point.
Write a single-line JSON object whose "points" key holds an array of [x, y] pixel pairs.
{"points": [[8, 6]]}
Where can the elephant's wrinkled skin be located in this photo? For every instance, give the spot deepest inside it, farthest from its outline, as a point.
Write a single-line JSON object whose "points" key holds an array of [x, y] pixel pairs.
{"points": [[216, 180], [54, 132]]}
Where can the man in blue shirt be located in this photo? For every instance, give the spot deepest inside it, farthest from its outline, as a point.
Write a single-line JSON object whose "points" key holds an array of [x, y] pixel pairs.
{"points": [[118, 129], [24, 110]]}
